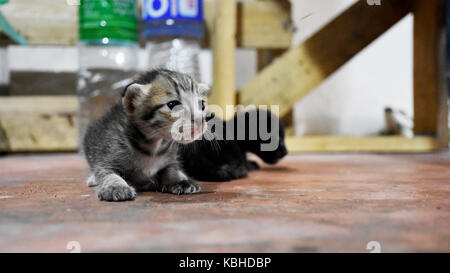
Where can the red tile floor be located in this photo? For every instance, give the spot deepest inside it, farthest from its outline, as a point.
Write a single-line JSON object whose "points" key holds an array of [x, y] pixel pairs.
{"points": [[306, 203]]}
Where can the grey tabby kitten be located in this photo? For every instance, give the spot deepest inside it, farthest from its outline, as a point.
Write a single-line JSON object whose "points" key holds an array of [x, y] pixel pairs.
{"points": [[133, 146]]}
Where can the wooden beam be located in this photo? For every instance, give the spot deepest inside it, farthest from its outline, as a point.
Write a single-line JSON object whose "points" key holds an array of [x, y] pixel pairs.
{"points": [[378, 144], [260, 24], [54, 22], [38, 123], [301, 69], [48, 123], [288, 121], [264, 24], [430, 101], [266, 56], [224, 45]]}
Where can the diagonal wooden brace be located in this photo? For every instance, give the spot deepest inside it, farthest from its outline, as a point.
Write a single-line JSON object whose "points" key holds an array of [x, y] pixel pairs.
{"points": [[304, 67]]}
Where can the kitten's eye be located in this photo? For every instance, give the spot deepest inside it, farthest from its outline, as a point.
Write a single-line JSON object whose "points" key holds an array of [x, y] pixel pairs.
{"points": [[203, 105], [172, 104]]}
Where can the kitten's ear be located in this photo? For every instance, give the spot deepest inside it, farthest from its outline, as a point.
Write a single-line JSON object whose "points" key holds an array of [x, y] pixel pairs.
{"points": [[133, 96], [203, 89]]}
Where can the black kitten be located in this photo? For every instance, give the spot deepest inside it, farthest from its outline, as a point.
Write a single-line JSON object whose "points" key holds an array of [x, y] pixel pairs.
{"points": [[224, 160]]}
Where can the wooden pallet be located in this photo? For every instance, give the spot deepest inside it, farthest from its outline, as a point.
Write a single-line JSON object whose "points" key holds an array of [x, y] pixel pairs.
{"points": [[286, 74], [291, 76]]}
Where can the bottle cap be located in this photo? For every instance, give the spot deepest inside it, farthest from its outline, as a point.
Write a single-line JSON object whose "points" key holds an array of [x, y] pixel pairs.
{"points": [[107, 21], [173, 18]]}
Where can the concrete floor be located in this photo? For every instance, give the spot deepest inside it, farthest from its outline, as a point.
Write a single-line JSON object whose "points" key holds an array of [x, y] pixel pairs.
{"points": [[307, 203]]}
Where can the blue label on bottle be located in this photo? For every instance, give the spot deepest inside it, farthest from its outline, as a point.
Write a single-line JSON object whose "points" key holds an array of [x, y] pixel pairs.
{"points": [[153, 10]]}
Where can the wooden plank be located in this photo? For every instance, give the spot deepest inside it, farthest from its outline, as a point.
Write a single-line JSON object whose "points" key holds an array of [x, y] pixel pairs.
{"points": [[266, 56], [38, 123], [24, 83], [224, 45], [54, 22], [44, 123], [46, 22], [324, 144], [301, 69], [260, 24], [430, 101], [264, 24], [288, 121]]}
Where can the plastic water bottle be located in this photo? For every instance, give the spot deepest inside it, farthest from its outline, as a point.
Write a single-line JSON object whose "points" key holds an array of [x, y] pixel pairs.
{"points": [[173, 30], [108, 55]]}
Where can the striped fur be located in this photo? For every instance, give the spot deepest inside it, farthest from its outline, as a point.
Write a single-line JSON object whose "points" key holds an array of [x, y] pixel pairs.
{"points": [[132, 146]]}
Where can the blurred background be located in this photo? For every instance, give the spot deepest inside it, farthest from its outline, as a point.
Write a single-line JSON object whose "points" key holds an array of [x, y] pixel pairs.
{"points": [[47, 57]]}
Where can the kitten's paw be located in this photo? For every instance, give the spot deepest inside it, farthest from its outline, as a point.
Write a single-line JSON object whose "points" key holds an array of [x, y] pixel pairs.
{"points": [[91, 182], [116, 191], [184, 187]]}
